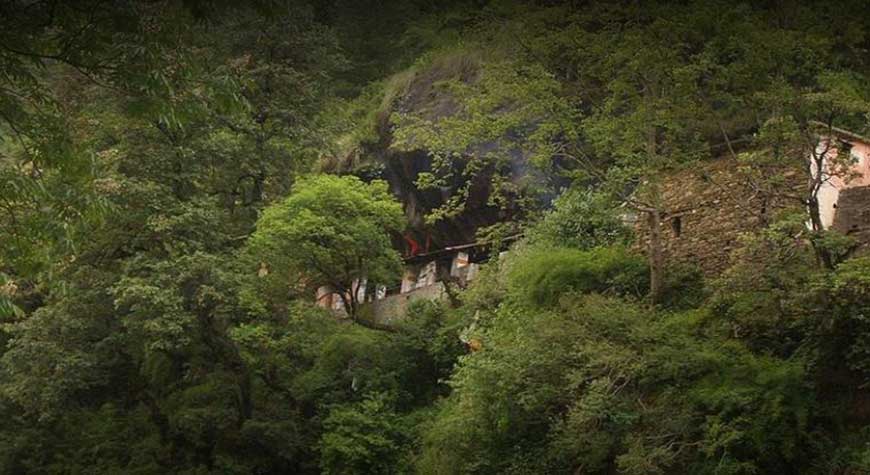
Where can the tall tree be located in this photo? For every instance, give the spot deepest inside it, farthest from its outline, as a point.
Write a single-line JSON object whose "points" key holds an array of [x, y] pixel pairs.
{"points": [[334, 231]]}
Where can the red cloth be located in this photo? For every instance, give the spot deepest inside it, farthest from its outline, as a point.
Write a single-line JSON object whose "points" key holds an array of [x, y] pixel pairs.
{"points": [[415, 248]]}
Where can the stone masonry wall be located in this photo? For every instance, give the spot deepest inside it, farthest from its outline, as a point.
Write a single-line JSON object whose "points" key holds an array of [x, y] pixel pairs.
{"points": [[392, 308], [706, 211], [852, 215]]}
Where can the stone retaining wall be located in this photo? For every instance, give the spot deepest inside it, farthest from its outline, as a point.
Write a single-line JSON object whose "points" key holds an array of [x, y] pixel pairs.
{"points": [[392, 308]]}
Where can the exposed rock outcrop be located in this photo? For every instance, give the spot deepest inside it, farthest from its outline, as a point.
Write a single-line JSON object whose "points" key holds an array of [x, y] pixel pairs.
{"points": [[420, 92]]}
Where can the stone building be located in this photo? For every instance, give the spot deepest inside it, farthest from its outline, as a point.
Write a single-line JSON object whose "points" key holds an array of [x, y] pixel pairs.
{"points": [[708, 208]]}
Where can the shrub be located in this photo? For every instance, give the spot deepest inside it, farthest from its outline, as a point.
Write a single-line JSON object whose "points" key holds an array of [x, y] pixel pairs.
{"points": [[542, 275], [581, 219]]}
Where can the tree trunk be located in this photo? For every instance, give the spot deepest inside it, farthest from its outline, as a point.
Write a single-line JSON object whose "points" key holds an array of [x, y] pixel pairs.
{"points": [[819, 170], [815, 214], [823, 255], [654, 215], [656, 258]]}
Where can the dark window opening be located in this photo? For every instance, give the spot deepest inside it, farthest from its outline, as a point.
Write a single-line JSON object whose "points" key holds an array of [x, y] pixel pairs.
{"points": [[844, 147], [677, 226]]}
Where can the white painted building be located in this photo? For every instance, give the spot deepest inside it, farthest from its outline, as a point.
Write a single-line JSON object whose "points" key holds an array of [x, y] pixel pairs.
{"points": [[841, 171]]}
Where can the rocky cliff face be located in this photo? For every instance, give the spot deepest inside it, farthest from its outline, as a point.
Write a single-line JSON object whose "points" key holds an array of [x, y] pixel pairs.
{"points": [[401, 170], [419, 93]]}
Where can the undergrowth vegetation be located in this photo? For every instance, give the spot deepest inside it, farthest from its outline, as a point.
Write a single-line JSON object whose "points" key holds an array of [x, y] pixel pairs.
{"points": [[180, 181]]}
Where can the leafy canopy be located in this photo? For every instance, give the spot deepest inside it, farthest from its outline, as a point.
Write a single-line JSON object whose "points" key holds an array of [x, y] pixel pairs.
{"points": [[333, 231]]}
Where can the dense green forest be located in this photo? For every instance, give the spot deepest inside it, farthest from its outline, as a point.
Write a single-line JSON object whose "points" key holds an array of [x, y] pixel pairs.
{"points": [[178, 178]]}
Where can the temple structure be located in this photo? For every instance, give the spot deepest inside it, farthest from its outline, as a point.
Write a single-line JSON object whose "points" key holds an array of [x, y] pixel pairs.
{"points": [[425, 276]]}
